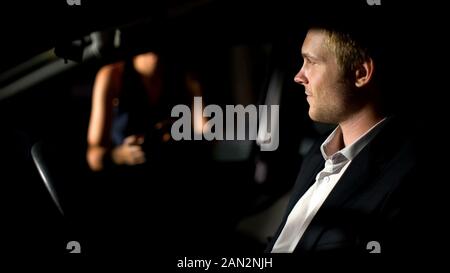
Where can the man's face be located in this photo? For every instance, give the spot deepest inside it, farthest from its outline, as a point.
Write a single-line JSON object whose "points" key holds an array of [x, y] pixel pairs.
{"points": [[328, 94]]}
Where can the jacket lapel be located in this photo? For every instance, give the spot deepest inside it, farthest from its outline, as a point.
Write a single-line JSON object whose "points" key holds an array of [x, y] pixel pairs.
{"points": [[356, 175], [311, 166], [306, 178]]}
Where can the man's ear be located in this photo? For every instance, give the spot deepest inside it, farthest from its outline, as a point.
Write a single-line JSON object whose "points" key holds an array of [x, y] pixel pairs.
{"points": [[364, 73]]}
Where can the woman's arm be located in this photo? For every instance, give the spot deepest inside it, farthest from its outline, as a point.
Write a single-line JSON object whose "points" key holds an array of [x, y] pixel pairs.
{"points": [[106, 88]]}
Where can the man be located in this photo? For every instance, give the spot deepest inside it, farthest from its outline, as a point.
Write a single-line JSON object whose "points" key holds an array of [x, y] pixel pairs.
{"points": [[354, 187]]}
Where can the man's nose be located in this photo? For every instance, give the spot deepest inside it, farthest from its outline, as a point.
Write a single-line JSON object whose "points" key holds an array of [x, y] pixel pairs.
{"points": [[300, 78]]}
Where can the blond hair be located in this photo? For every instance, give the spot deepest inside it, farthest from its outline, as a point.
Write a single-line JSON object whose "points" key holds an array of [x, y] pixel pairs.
{"points": [[349, 53]]}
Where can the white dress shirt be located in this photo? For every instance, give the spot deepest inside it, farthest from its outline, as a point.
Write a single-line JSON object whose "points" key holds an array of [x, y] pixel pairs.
{"points": [[308, 205]]}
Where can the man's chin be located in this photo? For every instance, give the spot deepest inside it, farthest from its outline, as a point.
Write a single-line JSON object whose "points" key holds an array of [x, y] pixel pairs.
{"points": [[313, 116], [320, 118]]}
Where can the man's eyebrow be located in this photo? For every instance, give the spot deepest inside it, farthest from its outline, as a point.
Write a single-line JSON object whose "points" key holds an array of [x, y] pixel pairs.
{"points": [[309, 56]]}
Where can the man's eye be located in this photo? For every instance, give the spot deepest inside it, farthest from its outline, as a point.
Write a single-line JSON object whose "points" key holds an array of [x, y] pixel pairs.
{"points": [[308, 61]]}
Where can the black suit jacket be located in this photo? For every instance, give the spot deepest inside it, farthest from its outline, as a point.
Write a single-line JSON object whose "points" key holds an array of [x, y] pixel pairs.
{"points": [[375, 199]]}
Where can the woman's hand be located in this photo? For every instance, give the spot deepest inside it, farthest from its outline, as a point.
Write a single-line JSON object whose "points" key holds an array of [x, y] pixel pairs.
{"points": [[129, 152]]}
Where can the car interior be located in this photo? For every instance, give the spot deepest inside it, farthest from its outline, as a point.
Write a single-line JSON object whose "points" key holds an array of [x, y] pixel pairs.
{"points": [[191, 197]]}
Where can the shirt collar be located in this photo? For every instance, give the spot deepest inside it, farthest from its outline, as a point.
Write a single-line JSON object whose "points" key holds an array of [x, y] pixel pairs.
{"points": [[351, 151]]}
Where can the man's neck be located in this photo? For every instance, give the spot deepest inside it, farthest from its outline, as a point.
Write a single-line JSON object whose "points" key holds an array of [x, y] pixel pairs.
{"points": [[358, 124]]}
